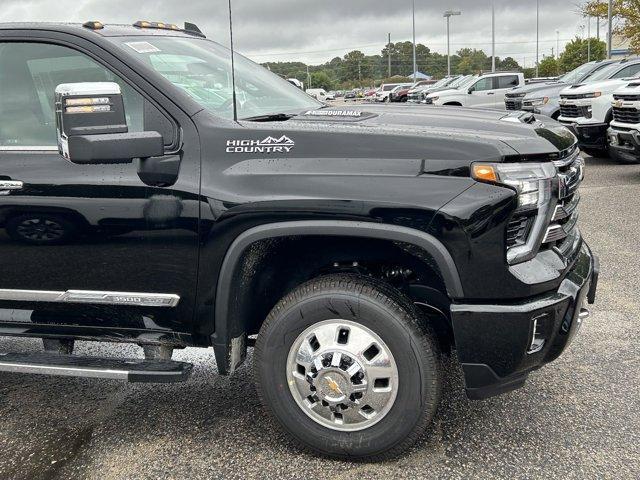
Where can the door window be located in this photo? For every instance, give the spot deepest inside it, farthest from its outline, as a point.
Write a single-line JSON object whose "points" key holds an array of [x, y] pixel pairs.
{"points": [[29, 75], [507, 81], [483, 84]]}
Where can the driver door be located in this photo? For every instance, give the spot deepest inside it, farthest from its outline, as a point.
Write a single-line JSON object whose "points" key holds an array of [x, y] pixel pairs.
{"points": [[85, 249]]}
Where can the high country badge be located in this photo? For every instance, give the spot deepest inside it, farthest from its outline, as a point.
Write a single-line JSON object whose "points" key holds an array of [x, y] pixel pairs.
{"points": [[269, 145]]}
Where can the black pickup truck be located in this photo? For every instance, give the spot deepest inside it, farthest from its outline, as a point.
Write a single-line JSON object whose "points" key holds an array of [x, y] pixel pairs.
{"points": [[149, 193]]}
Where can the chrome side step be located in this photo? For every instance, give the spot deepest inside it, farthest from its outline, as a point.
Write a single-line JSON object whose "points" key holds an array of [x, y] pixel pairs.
{"points": [[130, 370]]}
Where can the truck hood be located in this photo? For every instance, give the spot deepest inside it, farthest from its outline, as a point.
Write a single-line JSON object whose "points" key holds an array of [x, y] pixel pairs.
{"points": [[510, 134], [550, 90], [536, 87], [446, 92], [606, 86]]}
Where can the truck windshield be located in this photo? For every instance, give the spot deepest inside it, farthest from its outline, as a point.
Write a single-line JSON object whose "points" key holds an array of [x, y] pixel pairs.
{"points": [[577, 74], [604, 73], [202, 68]]}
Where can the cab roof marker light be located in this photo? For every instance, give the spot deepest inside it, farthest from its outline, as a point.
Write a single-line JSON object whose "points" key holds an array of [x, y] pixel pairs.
{"points": [[93, 25], [156, 25]]}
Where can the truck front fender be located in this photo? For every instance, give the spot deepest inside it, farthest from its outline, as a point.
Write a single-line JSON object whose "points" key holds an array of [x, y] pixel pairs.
{"points": [[228, 339]]}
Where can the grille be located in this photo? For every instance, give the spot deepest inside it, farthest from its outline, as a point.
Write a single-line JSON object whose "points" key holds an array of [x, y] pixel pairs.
{"points": [[518, 231], [626, 115], [626, 97], [513, 103], [565, 217], [573, 111], [576, 96]]}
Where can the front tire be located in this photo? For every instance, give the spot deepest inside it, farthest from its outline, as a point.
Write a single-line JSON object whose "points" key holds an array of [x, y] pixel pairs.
{"points": [[348, 368]]}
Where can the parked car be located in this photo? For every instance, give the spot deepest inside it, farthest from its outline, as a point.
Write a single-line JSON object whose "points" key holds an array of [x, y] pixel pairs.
{"points": [[320, 94], [385, 89], [547, 101], [351, 249], [351, 95], [487, 91], [415, 93], [423, 96], [624, 132], [402, 95], [587, 109], [398, 93], [295, 82], [515, 99]]}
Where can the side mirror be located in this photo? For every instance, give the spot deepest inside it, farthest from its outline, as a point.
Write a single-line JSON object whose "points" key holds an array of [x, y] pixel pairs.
{"points": [[471, 90], [92, 126]]}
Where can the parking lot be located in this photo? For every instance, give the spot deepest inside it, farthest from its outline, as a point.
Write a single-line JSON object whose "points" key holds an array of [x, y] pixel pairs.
{"points": [[577, 418]]}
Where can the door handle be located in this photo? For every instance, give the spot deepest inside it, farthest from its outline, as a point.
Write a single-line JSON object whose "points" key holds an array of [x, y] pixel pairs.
{"points": [[491, 93], [6, 186]]}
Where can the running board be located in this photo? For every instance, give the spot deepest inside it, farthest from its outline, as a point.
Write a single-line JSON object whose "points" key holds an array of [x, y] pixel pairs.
{"points": [[130, 370]]}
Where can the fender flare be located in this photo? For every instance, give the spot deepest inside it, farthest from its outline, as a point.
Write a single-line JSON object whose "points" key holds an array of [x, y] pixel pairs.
{"points": [[227, 358]]}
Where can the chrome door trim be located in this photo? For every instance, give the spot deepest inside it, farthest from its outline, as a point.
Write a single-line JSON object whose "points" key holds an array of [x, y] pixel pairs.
{"points": [[134, 299], [7, 186], [43, 148]]}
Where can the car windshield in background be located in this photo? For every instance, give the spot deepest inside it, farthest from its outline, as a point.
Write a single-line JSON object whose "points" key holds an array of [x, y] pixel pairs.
{"points": [[604, 73], [203, 69]]}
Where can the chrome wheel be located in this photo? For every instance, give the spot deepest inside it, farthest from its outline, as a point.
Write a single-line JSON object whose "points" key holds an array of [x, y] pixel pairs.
{"points": [[342, 375]]}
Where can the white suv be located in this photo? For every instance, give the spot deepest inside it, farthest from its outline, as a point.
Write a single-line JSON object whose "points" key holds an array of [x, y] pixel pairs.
{"points": [[586, 109], [485, 91], [624, 133]]}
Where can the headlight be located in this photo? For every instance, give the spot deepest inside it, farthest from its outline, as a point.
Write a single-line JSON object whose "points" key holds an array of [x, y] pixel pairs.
{"points": [[592, 95], [433, 99], [537, 102], [533, 183]]}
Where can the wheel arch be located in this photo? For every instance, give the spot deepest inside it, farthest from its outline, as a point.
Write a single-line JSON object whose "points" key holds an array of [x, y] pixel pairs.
{"points": [[230, 332]]}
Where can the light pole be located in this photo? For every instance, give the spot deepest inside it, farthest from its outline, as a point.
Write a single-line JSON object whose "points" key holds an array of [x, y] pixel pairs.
{"points": [[537, 37], [588, 38], [493, 37], [389, 54], [448, 14], [609, 33], [557, 43], [415, 67]]}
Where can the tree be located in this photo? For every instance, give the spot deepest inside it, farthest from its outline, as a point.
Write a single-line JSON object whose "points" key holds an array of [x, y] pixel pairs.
{"points": [[322, 79], [548, 67], [627, 16], [575, 53], [508, 63]]}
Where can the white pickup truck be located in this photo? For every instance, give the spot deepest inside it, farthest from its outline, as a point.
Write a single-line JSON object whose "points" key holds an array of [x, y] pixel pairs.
{"points": [[587, 108], [624, 132], [487, 91]]}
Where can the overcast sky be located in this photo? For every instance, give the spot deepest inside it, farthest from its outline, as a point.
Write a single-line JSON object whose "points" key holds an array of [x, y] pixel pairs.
{"points": [[316, 31]]}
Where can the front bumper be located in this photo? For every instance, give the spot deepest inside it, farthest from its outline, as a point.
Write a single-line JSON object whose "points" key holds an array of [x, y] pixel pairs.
{"points": [[625, 142], [499, 345], [590, 135]]}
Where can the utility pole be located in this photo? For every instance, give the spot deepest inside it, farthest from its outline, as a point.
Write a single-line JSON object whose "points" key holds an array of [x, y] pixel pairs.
{"points": [[389, 54], [537, 38], [308, 77], [415, 63], [493, 37], [448, 14], [609, 32], [558, 42]]}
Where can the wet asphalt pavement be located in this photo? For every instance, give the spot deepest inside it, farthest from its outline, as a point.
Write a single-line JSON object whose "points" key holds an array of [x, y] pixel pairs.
{"points": [[576, 418]]}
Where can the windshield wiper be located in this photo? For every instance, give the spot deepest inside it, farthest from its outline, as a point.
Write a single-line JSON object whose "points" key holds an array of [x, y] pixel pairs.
{"points": [[273, 117]]}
